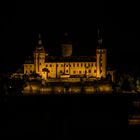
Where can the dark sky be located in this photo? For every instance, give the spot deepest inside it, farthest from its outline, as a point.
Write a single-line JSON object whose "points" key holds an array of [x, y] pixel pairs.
{"points": [[22, 21]]}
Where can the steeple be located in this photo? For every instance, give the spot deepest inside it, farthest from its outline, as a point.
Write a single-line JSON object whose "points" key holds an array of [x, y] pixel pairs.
{"points": [[66, 38], [39, 39], [40, 46], [99, 38], [66, 44]]}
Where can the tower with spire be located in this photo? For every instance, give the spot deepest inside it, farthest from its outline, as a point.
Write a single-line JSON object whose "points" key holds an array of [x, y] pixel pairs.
{"points": [[101, 55], [66, 45], [39, 56]]}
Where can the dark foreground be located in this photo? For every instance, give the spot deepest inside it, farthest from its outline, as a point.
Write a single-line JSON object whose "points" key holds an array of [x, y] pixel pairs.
{"points": [[64, 115]]}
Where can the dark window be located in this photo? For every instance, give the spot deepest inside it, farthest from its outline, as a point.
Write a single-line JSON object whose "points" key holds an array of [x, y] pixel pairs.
{"points": [[26, 71], [89, 64], [66, 65], [56, 65], [78, 65], [40, 63], [61, 65], [85, 65], [74, 71], [81, 65], [89, 71], [92, 64], [60, 71], [46, 65], [66, 70], [94, 71], [80, 72], [73, 65], [50, 65], [70, 65], [30, 71]]}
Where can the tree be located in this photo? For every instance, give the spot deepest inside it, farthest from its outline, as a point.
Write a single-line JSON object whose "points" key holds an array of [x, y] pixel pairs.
{"points": [[34, 74], [108, 77], [126, 84]]}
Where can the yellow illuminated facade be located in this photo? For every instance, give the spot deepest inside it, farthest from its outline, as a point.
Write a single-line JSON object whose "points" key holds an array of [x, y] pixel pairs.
{"points": [[67, 65]]}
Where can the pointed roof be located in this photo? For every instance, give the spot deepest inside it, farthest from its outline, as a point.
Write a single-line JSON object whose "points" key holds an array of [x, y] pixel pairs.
{"points": [[39, 39], [66, 38], [39, 47], [99, 38]]}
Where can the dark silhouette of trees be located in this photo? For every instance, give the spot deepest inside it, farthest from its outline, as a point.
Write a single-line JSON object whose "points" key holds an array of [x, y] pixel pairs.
{"points": [[126, 84]]}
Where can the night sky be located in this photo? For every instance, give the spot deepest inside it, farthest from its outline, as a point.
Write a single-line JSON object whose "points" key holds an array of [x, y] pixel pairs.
{"points": [[21, 23]]}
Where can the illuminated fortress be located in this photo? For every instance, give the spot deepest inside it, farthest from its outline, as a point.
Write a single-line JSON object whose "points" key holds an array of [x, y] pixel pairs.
{"points": [[67, 65]]}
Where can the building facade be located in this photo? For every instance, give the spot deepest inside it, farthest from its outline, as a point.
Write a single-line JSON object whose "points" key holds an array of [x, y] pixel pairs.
{"points": [[67, 65]]}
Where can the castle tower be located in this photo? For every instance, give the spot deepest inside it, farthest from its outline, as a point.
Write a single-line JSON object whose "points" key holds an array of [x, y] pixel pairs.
{"points": [[39, 56], [66, 45], [101, 61]]}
